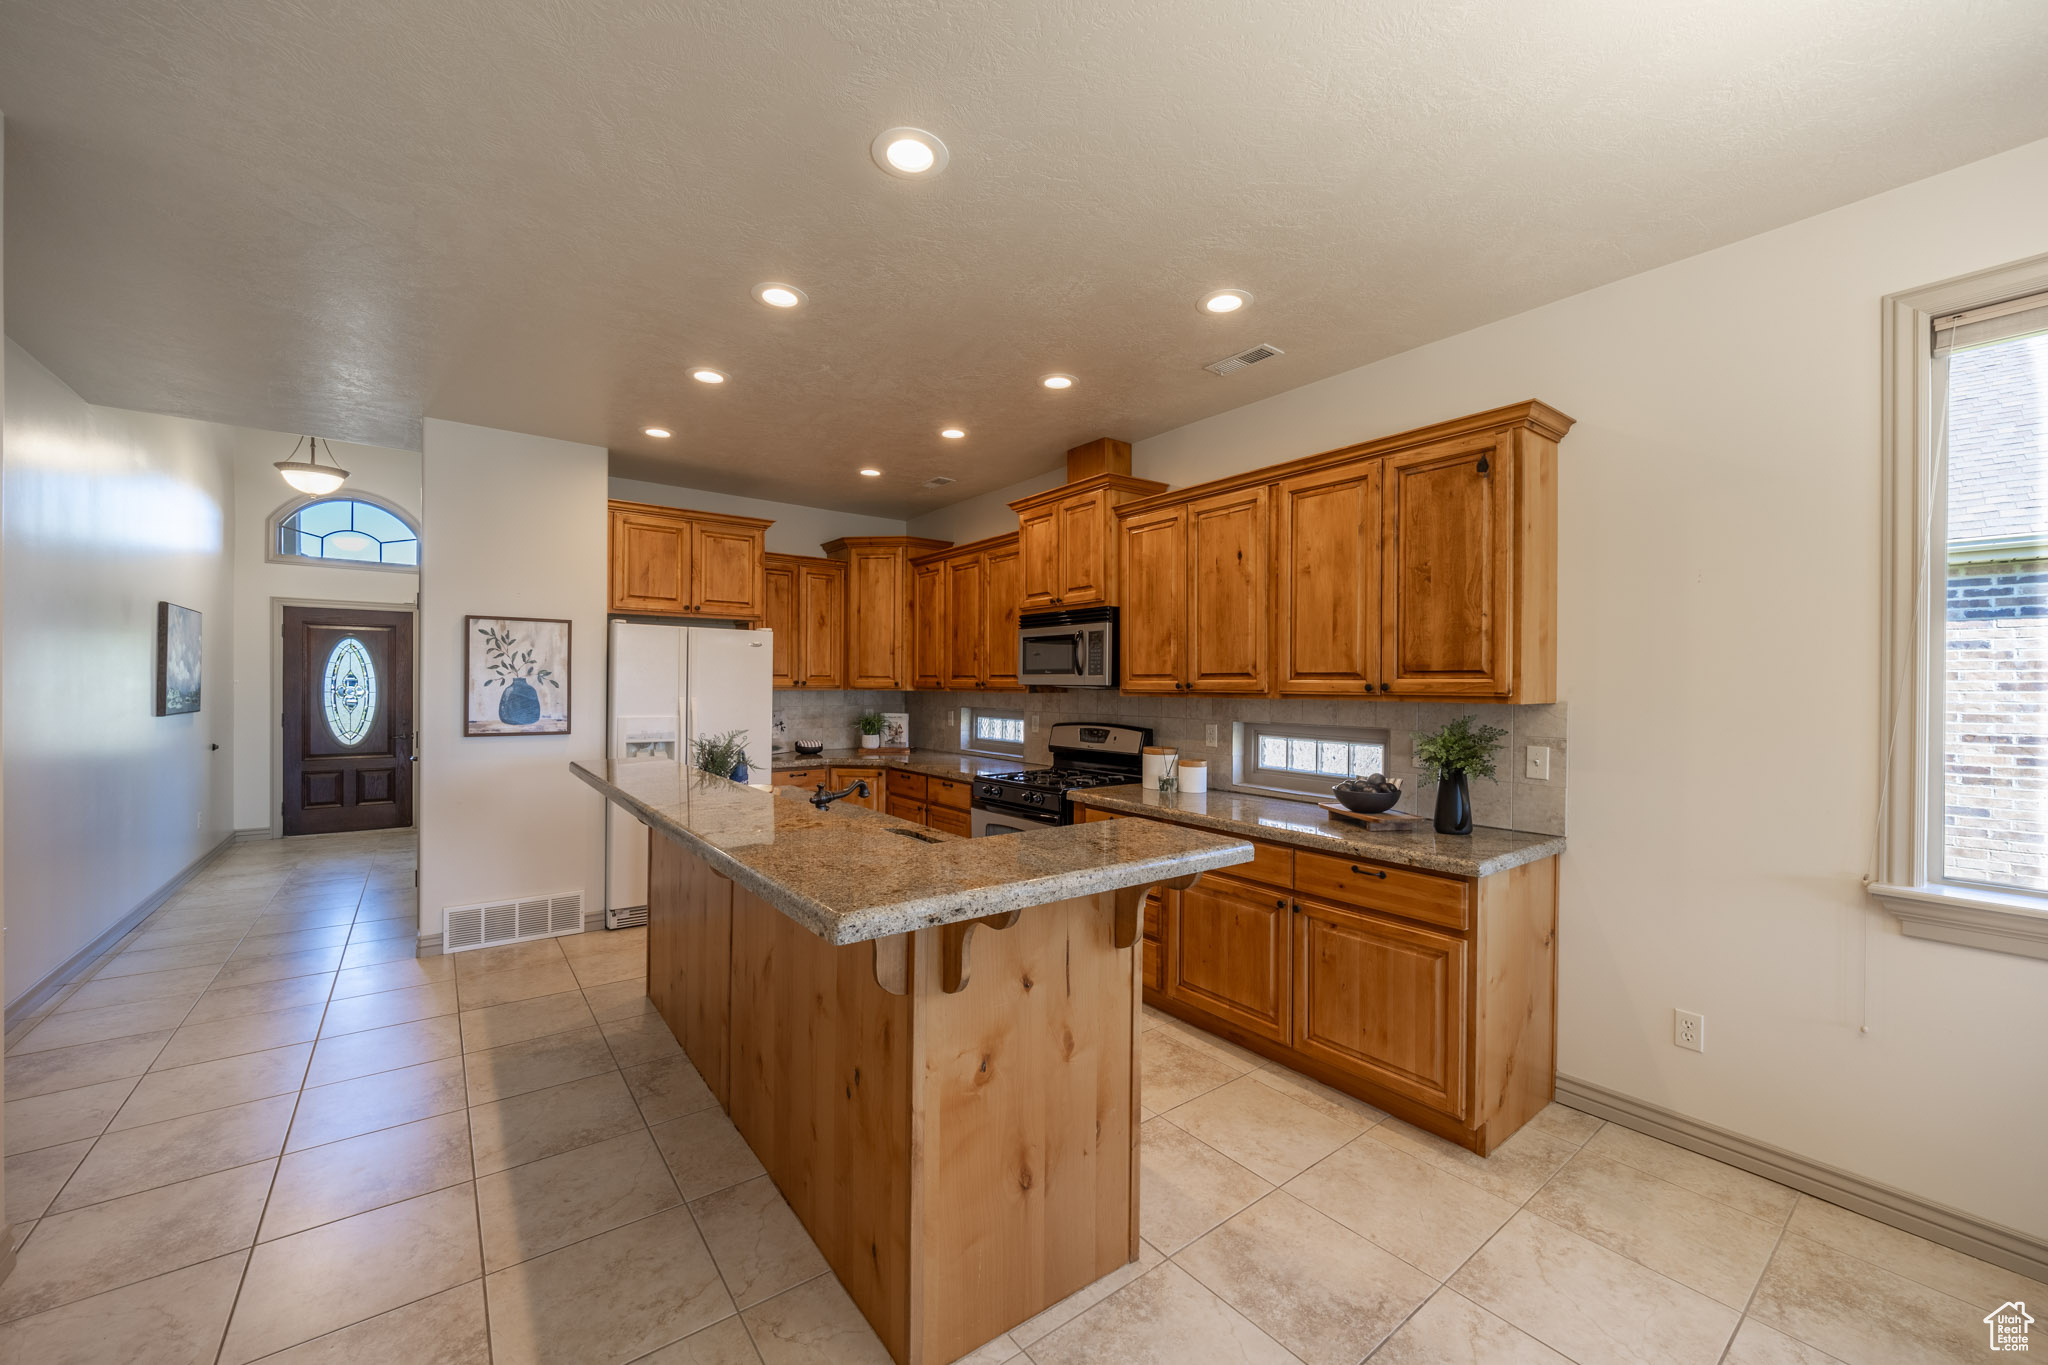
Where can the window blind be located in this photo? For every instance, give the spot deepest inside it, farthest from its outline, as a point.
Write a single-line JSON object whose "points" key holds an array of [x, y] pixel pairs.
{"points": [[1995, 322]]}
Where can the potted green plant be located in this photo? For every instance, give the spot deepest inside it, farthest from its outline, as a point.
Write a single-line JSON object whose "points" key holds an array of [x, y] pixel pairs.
{"points": [[870, 725], [722, 755], [1451, 757]]}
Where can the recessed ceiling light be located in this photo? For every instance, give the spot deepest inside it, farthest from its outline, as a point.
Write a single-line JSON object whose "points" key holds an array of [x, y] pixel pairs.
{"points": [[780, 295], [707, 376], [909, 153], [1225, 301], [871, 473], [1058, 381], [659, 433], [952, 433]]}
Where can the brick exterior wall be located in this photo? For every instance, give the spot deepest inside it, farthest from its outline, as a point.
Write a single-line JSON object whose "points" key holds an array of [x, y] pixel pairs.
{"points": [[1996, 727]]}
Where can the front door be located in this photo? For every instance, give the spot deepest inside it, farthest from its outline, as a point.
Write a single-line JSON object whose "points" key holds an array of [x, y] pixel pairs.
{"points": [[347, 719]]}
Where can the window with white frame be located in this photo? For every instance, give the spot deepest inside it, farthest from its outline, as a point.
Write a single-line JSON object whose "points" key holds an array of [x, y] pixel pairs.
{"points": [[1963, 824], [1309, 759], [995, 732]]}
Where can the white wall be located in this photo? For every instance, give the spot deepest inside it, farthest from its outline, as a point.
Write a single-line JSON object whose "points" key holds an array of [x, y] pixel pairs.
{"points": [[797, 530], [1718, 646], [986, 515], [394, 476], [102, 514], [518, 529]]}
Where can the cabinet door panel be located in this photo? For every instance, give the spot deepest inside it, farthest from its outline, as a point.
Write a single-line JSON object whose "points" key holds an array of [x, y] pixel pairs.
{"points": [[877, 787], [1229, 954], [966, 622], [1003, 579], [1328, 581], [948, 821], [781, 606], [650, 557], [928, 627], [821, 596], [1229, 568], [1038, 541], [877, 607], [725, 563], [1154, 617], [1384, 1001], [1083, 574], [1446, 626]]}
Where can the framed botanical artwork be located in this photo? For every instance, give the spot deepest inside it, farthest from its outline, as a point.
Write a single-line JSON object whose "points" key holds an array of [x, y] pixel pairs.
{"points": [[517, 676], [177, 659]]}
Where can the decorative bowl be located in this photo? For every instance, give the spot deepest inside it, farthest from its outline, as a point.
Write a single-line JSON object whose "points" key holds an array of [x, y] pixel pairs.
{"points": [[1366, 800], [810, 748]]}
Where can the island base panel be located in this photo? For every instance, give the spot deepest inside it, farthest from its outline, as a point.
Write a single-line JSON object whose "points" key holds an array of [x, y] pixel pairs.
{"points": [[963, 1160]]}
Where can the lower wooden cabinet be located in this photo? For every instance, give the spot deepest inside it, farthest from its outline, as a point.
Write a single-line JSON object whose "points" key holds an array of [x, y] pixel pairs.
{"points": [[1383, 1000], [843, 777], [1228, 954]]}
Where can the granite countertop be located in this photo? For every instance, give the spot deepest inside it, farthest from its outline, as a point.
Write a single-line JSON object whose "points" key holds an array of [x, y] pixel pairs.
{"points": [[1304, 825], [934, 762], [848, 877]]}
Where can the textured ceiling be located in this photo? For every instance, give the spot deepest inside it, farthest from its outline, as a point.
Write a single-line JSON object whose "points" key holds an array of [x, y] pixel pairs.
{"points": [[539, 214]]}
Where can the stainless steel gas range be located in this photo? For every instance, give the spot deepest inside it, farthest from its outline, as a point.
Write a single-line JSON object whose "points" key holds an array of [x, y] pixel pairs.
{"points": [[1082, 756]]}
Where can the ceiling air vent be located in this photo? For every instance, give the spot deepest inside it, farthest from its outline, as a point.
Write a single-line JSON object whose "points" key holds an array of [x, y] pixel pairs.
{"points": [[484, 926], [1265, 350], [940, 482]]}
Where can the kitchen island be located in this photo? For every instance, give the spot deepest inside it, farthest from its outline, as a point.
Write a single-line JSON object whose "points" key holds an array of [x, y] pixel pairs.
{"points": [[929, 1042]]}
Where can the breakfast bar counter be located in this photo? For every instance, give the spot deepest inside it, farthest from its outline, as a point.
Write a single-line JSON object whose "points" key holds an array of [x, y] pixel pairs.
{"points": [[929, 1042]]}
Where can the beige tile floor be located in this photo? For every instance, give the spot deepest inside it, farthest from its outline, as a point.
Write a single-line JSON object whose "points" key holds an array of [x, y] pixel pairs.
{"points": [[259, 1129]]}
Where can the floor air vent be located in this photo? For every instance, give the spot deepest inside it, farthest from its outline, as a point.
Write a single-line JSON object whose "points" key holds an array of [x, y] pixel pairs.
{"points": [[1233, 363], [484, 926]]}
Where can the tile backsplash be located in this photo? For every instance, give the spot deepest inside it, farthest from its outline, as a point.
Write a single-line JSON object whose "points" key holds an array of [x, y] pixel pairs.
{"points": [[828, 717]]}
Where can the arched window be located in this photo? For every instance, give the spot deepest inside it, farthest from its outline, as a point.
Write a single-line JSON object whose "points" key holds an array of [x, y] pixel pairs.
{"points": [[348, 531]]}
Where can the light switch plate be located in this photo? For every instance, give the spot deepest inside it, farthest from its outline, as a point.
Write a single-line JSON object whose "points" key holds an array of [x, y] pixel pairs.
{"points": [[1212, 736], [1539, 763]]}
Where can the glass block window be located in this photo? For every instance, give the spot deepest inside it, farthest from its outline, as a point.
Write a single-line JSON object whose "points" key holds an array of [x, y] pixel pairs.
{"points": [[1000, 732], [349, 531], [1309, 759]]}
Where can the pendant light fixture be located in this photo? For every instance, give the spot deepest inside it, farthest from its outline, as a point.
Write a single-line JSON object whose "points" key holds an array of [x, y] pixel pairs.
{"points": [[309, 475]]}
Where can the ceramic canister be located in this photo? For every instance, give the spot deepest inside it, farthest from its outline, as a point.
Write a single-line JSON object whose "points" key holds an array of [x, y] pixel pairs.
{"points": [[1158, 762], [1194, 775]]}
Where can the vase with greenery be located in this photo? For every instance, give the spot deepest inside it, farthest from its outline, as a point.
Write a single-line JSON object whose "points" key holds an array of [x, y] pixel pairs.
{"points": [[1451, 757], [722, 755], [870, 724]]}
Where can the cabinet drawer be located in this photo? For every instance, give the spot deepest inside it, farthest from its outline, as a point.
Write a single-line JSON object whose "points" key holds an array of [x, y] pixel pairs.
{"points": [[909, 785], [1090, 814], [945, 791], [1272, 864], [947, 820], [800, 777], [903, 808], [1379, 886], [1154, 963]]}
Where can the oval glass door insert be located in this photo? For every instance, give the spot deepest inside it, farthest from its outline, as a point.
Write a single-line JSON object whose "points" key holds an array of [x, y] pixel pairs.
{"points": [[349, 691]]}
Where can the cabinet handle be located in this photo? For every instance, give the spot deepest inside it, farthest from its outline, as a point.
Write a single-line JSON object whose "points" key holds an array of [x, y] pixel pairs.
{"points": [[1369, 871], [1280, 904]]}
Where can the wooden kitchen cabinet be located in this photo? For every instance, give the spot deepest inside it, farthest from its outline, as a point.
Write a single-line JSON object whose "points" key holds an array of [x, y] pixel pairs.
{"points": [[1197, 576], [1067, 540], [1229, 954], [1447, 620], [1326, 559], [667, 561], [806, 609], [1383, 1000], [879, 640], [964, 605], [877, 797]]}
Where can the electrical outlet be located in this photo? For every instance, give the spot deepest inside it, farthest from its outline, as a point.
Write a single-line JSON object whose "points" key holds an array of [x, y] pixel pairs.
{"points": [[1212, 736], [952, 719], [1689, 1030], [1539, 763], [1034, 722]]}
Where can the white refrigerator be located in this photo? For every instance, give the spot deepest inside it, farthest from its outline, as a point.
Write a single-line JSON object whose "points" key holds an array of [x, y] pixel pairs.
{"points": [[670, 685]]}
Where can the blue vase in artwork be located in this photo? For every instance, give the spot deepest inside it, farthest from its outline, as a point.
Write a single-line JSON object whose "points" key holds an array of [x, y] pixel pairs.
{"points": [[520, 704]]}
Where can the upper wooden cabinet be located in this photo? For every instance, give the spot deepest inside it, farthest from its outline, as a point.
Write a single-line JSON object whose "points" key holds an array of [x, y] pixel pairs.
{"points": [[879, 644], [965, 604], [1067, 540], [666, 561], [1197, 572], [1419, 565], [806, 609]]}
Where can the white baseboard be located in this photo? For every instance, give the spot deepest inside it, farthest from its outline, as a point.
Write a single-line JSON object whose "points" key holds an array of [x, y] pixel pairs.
{"points": [[250, 836], [1973, 1236], [36, 996]]}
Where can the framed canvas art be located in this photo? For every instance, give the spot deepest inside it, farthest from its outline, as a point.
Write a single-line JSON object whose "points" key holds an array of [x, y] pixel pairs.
{"points": [[517, 676], [177, 659]]}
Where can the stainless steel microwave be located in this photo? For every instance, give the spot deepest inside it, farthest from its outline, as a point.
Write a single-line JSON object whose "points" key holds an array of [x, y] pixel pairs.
{"points": [[1067, 648]]}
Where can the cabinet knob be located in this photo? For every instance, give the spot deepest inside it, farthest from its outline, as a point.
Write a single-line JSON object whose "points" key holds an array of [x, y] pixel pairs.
{"points": [[1369, 871], [1280, 904]]}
